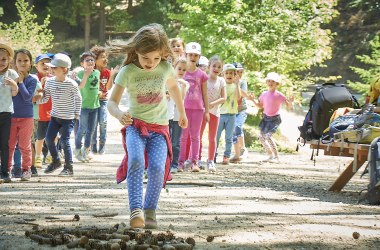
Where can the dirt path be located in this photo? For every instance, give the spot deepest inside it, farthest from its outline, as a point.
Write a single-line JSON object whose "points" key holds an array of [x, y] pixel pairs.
{"points": [[251, 205]]}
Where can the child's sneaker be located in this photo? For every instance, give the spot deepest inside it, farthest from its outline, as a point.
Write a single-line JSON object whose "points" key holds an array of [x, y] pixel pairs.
{"points": [[67, 171], [52, 167], [235, 159], [102, 148], [181, 167], [226, 160], [6, 178], [16, 172], [94, 150], [150, 219], [84, 151], [38, 162], [211, 166], [33, 169], [187, 165], [48, 159], [268, 159], [78, 155], [243, 153], [137, 218], [26, 175], [195, 167], [275, 159], [202, 165]]}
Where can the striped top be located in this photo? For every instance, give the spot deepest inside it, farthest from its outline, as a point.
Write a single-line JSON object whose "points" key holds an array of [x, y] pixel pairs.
{"points": [[65, 97]]}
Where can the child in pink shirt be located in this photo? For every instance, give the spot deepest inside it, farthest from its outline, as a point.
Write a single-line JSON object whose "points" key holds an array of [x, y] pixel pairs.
{"points": [[270, 101], [196, 106]]}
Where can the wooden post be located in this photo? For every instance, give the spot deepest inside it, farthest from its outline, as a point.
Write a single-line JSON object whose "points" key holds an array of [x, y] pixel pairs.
{"points": [[346, 176]]}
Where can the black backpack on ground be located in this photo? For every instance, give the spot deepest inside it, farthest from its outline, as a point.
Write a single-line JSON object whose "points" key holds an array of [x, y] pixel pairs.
{"points": [[325, 101], [373, 190]]}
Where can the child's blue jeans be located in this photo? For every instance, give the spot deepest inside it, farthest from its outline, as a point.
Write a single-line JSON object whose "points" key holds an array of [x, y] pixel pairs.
{"points": [[156, 147], [65, 126], [227, 123], [87, 120]]}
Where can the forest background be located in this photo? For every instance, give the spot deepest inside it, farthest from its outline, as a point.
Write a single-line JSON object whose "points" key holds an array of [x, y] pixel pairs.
{"points": [[306, 41]]}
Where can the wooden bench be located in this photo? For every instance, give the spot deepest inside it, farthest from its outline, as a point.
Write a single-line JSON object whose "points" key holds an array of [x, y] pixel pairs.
{"points": [[359, 152]]}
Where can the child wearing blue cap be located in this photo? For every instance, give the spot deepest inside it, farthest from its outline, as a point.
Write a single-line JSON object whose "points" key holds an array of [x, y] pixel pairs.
{"points": [[44, 110]]}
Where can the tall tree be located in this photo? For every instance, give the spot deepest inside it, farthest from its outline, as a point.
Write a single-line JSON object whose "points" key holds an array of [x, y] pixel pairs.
{"points": [[26, 32], [283, 36]]}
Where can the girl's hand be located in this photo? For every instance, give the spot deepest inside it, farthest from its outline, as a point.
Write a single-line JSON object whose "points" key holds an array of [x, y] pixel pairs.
{"points": [[291, 99], [74, 75], [207, 116], [210, 106], [182, 122], [125, 118], [251, 96], [38, 96], [115, 70], [9, 81], [21, 77]]}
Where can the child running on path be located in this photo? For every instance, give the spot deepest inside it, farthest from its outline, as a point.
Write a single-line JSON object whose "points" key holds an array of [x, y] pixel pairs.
{"points": [[8, 88], [145, 75], [228, 111], [22, 118], [216, 89], [196, 105], [270, 101], [66, 104]]}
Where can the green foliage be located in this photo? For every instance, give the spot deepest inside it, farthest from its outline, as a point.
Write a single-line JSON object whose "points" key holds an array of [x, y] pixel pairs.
{"points": [[26, 32], [282, 36], [373, 70]]}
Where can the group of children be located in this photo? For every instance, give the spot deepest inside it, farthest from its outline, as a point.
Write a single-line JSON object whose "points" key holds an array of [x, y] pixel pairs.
{"points": [[35, 108], [170, 102]]}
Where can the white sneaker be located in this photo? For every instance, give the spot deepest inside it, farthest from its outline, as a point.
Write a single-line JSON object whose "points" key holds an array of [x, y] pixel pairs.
{"points": [[244, 153], [275, 159], [268, 159], [78, 155], [84, 152], [187, 165], [211, 166]]}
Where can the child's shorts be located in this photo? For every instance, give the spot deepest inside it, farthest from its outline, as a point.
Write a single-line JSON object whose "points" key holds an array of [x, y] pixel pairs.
{"points": [[42, 129], [269, 124]]}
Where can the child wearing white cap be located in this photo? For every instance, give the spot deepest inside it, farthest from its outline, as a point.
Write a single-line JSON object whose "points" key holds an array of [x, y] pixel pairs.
{"points": [[228, 111], [270, 101], [196, 106]]}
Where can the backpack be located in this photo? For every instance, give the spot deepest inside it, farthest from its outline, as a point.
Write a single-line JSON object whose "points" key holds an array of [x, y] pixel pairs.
{"points": [[373, 189], [325, 101]]}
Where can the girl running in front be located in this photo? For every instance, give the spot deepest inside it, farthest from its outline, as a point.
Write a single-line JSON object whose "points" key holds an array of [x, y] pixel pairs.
{"points": [[196, 105], [216, 89], [145, 75], [270, 101]]}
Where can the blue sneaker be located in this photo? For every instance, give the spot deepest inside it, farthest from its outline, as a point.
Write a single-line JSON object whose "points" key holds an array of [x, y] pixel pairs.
{"points": [[16, 172]]}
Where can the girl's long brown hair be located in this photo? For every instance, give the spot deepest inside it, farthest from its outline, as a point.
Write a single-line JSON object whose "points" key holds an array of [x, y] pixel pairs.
{"points": [[149, 38]]}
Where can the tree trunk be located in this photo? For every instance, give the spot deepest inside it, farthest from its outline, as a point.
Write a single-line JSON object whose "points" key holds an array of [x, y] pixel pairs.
{"points": [[102, 23], [87, 31]]}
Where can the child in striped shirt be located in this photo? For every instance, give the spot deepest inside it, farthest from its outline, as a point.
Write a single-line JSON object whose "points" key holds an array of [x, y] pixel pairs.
{"points": [[63, 91]]}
